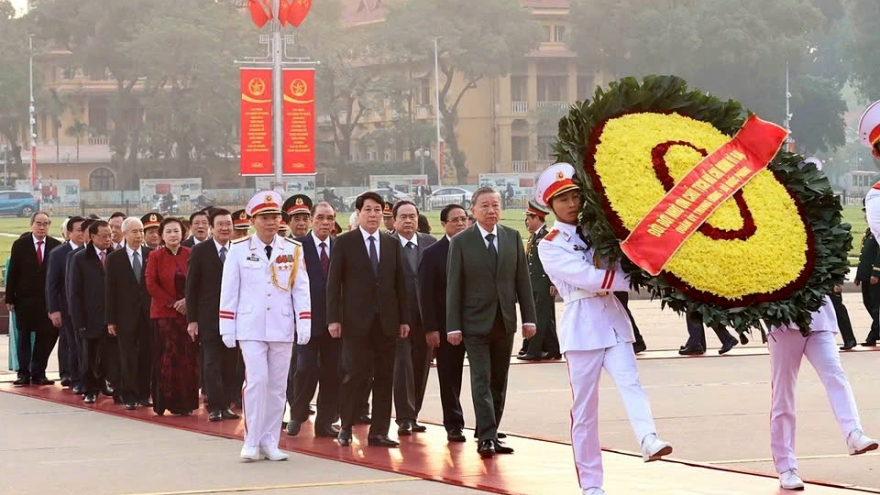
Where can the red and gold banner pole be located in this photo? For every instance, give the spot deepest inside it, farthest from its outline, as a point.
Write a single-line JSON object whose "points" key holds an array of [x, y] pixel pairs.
{"points": [[277, 98]]}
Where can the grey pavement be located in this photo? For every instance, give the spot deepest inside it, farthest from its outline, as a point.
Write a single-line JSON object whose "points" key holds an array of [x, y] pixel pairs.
{"points": [[714, 410]]}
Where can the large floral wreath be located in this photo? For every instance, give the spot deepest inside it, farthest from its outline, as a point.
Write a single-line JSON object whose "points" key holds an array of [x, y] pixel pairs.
{"points": [[771, 252]]}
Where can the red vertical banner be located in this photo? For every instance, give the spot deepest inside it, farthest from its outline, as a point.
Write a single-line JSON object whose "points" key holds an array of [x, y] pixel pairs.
{"points": [[256, 121], [33, 167], [299, 121]]}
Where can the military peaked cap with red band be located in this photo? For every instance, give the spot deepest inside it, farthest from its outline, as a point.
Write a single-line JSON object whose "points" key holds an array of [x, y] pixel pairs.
{"points": [[296, 204], [537, 210], [556, 179], [152, 220], [241, 220], [264, 203]]}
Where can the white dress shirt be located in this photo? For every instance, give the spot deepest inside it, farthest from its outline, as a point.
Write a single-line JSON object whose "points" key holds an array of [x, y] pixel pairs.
{"points": [[327, 245], [404, 241], [131, 252], [367, 236], [228, 246], [74, 246]]}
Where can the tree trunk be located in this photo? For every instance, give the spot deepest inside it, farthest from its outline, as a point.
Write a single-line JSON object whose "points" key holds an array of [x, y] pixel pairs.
{"points": [[456, 156], [77, 148]]}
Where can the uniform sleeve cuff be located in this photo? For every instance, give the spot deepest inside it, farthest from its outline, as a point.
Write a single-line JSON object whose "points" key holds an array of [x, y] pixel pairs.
{"points": [[450, 332]]}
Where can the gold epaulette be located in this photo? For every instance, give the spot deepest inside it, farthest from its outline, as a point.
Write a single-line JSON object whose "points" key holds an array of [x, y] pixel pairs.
{"points": [[236, 241], [292, 241]]}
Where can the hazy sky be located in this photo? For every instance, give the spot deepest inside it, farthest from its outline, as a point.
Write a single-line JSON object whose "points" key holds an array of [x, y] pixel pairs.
{"points": [[20, 5]]}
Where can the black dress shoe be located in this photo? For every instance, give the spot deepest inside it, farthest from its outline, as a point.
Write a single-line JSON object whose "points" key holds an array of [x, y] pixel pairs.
{"points": [[65, 382], [499, 434], [42, 381], [727, 347], [486, 449], [22, 382], [743, 339], [327, 432], [90, 398], [529, 357], [363, 419], [229, 414], [107, 390], [131, 406], [502, 449], [145, 403], [639, 346], [405, 429], [521, 352], [215, 416], [455, 436], [848, 345], [293, 427], [79, 390], [553, 356], [417, 428], [381, 441], [696, 350], [869, 343], [344, 437]]}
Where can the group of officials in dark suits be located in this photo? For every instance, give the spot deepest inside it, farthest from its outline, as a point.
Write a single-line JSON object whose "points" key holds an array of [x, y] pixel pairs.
{"points": [[384, 306]]}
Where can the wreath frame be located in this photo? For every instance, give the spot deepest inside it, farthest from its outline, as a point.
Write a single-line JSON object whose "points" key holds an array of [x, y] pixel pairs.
{"points": [[819, 207]]}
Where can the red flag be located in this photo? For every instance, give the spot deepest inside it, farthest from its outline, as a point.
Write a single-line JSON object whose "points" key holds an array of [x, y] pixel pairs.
{"points": [[258, 14], [283, 8], [298, 11]]}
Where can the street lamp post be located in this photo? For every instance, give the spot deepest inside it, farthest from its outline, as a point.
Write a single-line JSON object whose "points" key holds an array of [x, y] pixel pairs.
{"points": [[33, 119], [437, 108], [423, 153]]}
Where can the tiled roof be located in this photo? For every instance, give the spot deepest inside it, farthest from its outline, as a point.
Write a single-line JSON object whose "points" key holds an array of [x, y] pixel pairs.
{"points": [[366, 11]]}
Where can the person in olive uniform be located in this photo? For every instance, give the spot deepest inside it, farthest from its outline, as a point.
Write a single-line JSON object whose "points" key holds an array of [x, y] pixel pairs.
{"points": [[545, 343], [868, 278]]}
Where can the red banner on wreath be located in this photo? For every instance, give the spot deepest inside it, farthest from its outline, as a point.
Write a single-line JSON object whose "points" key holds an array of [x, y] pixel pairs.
{"points": [[694, 198], [256, 122], [298, 143]]}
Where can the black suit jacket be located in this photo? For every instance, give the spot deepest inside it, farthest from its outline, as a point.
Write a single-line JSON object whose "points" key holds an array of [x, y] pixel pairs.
{"points": [[190, 242], [412, 281], [86, 288], [203, 276], [317, 282], [56, 291], [352, 289], [67, 275], [432, 286], [127, 301], [26, 282]]}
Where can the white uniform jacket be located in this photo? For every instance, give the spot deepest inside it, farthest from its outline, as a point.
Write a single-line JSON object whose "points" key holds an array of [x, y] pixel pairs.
{"points": [[253, 306], [872, 209], [823, 320], [593, 318]]}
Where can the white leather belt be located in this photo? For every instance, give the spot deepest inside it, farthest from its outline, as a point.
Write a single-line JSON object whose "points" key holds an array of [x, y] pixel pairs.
{"points": [[582, 294]]}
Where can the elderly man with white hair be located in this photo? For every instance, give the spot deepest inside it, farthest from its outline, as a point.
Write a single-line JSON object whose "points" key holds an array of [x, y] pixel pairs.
{"points": [[128, 314]]}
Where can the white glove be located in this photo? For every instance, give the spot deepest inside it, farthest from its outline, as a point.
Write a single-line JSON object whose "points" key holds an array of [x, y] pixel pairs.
{"points": [[302, 337], [229, 341]]}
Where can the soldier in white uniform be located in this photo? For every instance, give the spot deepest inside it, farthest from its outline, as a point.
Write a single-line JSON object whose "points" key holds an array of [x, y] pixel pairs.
{"points": [[787, 348], [265, 306], [869, 135], [595, 332]]}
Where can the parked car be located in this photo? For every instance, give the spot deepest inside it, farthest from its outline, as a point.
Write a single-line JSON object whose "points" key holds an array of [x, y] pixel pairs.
{"points": [[386, 194], [18, 203], [447, 195]]}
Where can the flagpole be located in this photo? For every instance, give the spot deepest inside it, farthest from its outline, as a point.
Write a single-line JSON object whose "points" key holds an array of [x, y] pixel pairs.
{"points": [[277, 96]]}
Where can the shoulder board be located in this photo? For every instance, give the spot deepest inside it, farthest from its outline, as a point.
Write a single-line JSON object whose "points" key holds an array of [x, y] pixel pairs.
{"points": [[292, 241], [551, 235], [237, 241]]}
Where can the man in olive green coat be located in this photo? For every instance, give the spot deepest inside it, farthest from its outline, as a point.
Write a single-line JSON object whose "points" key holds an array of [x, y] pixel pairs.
{"points": [[487, 274]]}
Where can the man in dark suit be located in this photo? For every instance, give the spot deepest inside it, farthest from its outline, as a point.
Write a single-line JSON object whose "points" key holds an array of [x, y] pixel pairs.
{"points": [[318, 361], [366, 306], [487, 275], [412, 359], [26, 296], [128, 315], [117, 237], [203, 279], [86, 288], [200, 225], [432, 303], [56, 304], [868, 280]]}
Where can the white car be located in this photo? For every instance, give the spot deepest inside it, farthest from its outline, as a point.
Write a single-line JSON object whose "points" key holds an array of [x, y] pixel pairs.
{"points": [[384, 192], [443, 196]]}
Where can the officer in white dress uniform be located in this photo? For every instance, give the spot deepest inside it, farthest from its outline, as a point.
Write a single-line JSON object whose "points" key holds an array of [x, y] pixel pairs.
{"points": [[869, 135], [787, 348], [595, 332], [265, 306]]}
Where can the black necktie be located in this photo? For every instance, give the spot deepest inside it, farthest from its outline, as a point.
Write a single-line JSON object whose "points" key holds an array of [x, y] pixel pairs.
{"points": [[325, 260], [493, 253], [136, 265], [223, 255], [269, 253], [584, 237], [412, 257], [374, 256]]}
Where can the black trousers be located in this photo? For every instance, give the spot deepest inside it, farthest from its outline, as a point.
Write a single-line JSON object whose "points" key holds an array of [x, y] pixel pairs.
{"points": [[843, 321], [32, 361], [871, 300], [450, 363], [360, 354], [317, 367], [411, 368], [489, 357], [545, 339], [697, 334], [220, 373], [68, 351], [99, 362], [623, 297], [135, 361]]}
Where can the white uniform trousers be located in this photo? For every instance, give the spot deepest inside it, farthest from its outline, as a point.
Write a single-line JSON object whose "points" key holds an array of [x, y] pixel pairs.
{"points": [[786, 350], [584, 370], [264, 390]]}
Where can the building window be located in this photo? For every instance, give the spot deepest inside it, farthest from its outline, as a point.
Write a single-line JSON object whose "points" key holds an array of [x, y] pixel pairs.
{"points": [[423, 92], [545, 147], [519, 148], [552, 88], [548, 33], [519, 88], [586, 86], [102, 179], [559, 34]]}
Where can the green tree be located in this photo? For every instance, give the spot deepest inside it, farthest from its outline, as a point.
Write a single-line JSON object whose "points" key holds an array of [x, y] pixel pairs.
{"points": [[478, 40], [863, 56], [78, 130], [14, 93]]}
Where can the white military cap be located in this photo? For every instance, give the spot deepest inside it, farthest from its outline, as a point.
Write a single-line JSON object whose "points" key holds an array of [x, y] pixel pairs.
{"points": [[264, 203], [869, 125], [555, 179]]}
